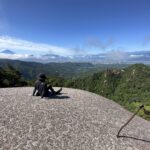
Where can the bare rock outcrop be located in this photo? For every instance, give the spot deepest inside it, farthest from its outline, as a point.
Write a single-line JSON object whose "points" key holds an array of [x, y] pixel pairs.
{"points": [[75, 120]]}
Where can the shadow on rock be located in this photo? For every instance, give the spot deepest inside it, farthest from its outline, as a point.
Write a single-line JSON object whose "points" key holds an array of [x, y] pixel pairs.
{"points": [[57, 97]]}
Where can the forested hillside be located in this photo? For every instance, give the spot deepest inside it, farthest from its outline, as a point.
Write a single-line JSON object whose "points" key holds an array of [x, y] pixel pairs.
{"points": [[11, 77], [129, 87], [30, 70]]}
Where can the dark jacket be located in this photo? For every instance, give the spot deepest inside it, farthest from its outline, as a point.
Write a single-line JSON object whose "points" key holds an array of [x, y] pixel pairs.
{"points": [[41, 88]]}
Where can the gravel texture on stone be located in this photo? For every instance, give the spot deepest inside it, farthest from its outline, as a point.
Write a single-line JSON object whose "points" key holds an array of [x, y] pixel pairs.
{"points": [[75, 120]]}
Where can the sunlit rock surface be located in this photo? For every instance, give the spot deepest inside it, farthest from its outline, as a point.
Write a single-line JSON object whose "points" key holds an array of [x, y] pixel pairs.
{"points": [[76, 120]]}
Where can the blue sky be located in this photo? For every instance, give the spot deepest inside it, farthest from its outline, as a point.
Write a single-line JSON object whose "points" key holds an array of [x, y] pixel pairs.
{"points": [[70, 27]]}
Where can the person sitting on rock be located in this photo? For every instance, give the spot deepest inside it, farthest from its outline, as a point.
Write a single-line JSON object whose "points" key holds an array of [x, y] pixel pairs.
{"points": [[42, 89]]}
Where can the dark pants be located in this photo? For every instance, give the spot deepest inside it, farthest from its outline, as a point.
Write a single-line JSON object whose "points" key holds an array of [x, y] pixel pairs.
{"points": [[52, 92]]}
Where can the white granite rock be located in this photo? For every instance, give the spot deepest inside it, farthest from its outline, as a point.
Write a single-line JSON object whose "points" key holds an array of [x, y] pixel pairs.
{"points": [[75, 120]]}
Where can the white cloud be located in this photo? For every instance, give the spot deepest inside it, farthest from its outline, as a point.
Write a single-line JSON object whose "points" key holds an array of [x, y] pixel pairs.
{"points": [[136, 56], [13, 56], [116, 55], [7, 42], [98, 43]]}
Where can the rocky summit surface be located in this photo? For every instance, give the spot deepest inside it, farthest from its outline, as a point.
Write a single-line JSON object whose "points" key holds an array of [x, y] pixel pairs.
{"points": [[75, 120]]}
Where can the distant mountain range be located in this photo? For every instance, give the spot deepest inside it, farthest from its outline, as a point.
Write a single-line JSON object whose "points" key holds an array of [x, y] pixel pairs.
{"points": [[30, 70], [7, 52], [107, 57]]}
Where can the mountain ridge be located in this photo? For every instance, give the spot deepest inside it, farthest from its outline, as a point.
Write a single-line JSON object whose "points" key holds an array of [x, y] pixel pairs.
{"points": [[30, 70], [112, 56], [7, 51]]}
